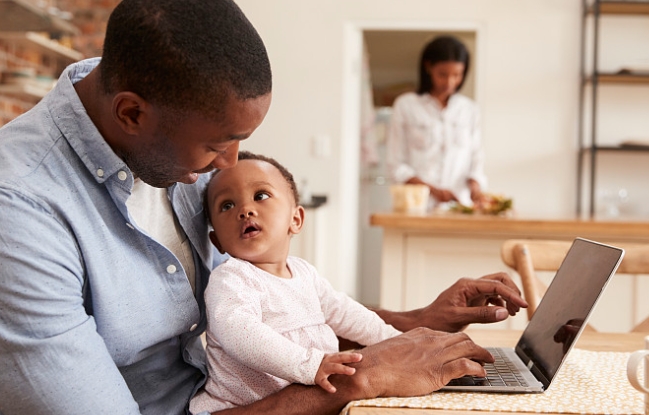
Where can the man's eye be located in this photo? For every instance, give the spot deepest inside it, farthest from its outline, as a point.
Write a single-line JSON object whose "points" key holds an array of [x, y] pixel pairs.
{"points": [[226, 206], [261, 196]]}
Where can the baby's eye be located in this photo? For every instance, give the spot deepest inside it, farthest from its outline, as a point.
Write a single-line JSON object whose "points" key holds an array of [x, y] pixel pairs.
{"points": [[226, 206], [261, 196]]}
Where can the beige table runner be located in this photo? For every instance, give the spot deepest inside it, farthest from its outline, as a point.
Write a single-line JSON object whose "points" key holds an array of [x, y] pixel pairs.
{"points": [[588, 383]]}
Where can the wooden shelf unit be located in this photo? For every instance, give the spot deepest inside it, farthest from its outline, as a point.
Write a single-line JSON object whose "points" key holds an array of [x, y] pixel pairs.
{"points": [[27, 37], [42, 44], [19, 16], [592, 80], [621, 7]]}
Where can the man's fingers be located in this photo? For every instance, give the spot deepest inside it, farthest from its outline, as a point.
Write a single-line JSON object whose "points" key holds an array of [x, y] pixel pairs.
{"points": [[459, 345], [483, 314], [462, 367], [463, 357], [504, 279], [492, 287]]}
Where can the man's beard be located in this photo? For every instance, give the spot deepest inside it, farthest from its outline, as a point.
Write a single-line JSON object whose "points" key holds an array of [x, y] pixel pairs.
{"points": [[152, 163]]}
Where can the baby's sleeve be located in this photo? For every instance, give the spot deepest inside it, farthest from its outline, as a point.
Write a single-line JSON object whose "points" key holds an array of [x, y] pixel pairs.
{"points": [[235, 321]]}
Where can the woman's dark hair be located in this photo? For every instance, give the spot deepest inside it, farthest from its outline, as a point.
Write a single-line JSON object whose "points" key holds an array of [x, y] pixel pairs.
{"points": [[441, 49], [184, 55]]}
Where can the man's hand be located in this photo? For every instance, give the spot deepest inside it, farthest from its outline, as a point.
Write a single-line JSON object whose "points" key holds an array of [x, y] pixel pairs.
{"points": [[411, 364], [489, 299], [419, 362]]}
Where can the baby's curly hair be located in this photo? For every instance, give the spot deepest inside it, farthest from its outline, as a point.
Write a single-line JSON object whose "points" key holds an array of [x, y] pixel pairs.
{"points": [[247, 155]]}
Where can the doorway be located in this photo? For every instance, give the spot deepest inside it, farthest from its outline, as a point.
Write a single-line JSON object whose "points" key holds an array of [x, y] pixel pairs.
{"points": [[388, 67]]}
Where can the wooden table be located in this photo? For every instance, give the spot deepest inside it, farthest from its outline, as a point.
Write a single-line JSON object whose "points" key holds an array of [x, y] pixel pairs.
{"points": [[619, 342]]}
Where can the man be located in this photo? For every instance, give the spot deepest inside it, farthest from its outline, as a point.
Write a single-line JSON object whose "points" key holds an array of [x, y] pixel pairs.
{"points": [[104, 252]]}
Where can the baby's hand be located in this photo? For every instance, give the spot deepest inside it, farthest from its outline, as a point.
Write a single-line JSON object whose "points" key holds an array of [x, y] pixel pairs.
{"points": [[334, 363]]}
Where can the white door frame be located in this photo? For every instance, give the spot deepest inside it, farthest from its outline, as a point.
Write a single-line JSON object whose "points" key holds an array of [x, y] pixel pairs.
{"points": [[350, 135]]}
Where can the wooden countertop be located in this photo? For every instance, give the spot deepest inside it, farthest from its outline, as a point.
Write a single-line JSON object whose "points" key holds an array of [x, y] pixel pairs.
{"points": [[512, 227]]}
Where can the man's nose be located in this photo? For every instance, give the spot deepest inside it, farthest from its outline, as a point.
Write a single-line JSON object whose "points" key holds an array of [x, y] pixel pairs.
{"points": [[228, 158]]}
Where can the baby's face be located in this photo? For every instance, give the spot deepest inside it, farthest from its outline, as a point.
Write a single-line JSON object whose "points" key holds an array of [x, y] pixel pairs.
{"points": [[253, 212]]}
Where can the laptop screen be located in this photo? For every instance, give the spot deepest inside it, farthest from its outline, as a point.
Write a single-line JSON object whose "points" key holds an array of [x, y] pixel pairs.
{"points": [[566, 305]]}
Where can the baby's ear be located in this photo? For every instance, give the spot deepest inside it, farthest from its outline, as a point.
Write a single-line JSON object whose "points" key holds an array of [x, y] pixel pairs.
{"points": [[216, 242], [297, 221]]}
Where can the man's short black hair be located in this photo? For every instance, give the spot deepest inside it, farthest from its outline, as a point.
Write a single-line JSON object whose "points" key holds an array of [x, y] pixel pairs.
{"points": [[184, 55]]}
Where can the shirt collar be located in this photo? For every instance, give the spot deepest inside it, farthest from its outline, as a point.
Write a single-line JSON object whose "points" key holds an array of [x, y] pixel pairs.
{"points": [[428, 98], [71, 118]]}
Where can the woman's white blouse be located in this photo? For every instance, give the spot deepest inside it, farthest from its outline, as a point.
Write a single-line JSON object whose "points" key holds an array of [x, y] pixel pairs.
{"points": [[441, 146]]}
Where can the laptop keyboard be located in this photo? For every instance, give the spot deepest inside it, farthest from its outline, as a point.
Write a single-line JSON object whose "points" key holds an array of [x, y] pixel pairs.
{"points": [[500, 373]]}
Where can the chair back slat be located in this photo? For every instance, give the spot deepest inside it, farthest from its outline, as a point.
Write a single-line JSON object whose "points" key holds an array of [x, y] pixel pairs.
{"points": [[526, 256]]}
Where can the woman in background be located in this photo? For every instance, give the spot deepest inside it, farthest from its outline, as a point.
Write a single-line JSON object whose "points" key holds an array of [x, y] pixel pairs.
{"points": [[434, 135]]}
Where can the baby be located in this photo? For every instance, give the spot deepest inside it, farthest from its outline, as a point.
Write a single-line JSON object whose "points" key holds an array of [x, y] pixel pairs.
{"points": [[272, 320]]}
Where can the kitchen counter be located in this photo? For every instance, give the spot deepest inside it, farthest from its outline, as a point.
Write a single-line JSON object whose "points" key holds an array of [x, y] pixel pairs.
{"points": [[422, 255], [453, 224]]}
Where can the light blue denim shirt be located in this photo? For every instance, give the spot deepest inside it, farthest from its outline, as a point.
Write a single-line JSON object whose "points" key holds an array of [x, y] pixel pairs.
{"points": [[95, 316]]}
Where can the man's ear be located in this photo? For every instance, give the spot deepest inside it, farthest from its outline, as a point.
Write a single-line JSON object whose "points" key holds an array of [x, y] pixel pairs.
{"points": [[297, 221], [130, 112], [216, 242]]}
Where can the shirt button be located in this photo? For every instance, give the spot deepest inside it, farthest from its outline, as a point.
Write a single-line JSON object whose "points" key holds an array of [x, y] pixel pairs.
{"points": [[122, 175], [100, 172], [171, 269], [193, 327]]}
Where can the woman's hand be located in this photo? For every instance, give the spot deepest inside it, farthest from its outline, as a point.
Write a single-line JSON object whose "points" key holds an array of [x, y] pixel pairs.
{"points": [[477, 196], [442, 195]]}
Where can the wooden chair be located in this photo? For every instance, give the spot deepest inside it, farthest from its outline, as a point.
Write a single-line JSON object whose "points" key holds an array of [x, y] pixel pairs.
{"points": [[528, 256]]}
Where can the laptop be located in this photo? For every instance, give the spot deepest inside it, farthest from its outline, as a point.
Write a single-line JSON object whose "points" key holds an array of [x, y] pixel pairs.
{"points": [[555, 326]]}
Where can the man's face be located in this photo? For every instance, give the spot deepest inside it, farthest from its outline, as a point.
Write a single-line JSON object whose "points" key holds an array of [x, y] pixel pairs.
{"points": [[180, 152]]}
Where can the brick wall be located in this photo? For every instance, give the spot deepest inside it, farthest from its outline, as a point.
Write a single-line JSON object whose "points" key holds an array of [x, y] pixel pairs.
{"points": [[90, 16]]}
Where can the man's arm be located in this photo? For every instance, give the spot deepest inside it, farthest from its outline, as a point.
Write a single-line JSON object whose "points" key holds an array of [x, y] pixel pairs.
{"points": [[415, 363], [412, 364], [53, 359]]}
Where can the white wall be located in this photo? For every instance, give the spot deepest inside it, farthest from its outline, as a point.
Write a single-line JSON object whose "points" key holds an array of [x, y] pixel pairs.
{"points": [[528, 92]]}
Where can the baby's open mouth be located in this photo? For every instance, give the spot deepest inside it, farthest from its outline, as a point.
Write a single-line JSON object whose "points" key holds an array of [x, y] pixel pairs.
{"points": [[249, 229]]}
